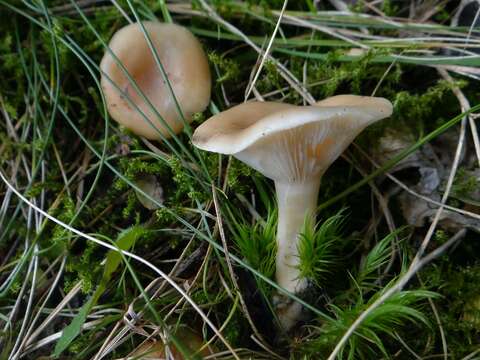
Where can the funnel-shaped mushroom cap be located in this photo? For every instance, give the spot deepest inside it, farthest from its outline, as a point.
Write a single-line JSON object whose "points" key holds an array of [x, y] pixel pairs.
{"points": [[290, 143], [185, 64]]}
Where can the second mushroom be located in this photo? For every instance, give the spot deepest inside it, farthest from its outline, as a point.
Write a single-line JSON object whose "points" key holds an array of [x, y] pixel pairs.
{"points": [[293, 146], [142, 101]]}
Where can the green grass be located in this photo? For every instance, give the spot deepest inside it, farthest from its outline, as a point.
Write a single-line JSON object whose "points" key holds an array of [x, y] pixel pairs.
{"points": [[68, 162]]}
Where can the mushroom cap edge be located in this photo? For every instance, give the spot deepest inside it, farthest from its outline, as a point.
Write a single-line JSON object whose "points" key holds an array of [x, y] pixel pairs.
{"points": [[229, 133]]}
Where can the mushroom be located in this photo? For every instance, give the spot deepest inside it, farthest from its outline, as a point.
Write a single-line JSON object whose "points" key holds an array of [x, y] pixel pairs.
{"points": [[149, 185], [185, 64], [191, 342], [293, 146]]}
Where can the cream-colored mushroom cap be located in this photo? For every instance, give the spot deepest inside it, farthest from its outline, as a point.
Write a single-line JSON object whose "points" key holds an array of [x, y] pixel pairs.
{"points": [[287, 142], [185, 64]]}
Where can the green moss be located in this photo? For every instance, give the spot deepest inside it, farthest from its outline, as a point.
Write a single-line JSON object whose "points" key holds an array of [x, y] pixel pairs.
{"points": [[465, 184], [389, 8], [414, 109], [227, 67], [164, 216], [440, 236], [234, 332], [15, 287], [50, 185], [458, 307], [271, 79], [130, 206], [132, 167], [60, 236], [11, 146], [185, 184], [238, 176]]}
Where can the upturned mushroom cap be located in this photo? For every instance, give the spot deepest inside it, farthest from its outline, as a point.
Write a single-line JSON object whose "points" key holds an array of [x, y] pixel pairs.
{"points": [[185, 64], [286, 142]]}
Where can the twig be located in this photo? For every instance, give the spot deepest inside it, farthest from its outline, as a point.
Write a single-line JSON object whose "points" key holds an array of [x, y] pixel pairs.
{"points": [[230, 267], [266, 53], [284, 72], [302, 23], [465, 105]]}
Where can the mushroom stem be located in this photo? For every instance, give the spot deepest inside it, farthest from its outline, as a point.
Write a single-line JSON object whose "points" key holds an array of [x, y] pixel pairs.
{"points": [[296, 200]]}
